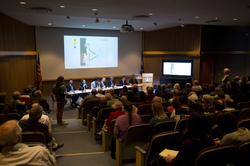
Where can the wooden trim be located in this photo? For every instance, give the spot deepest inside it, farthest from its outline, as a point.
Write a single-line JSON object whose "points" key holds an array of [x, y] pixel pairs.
{"points": [[103, 141], [117, 152], [78, 154], [138, 159], [7, 53], [171, 52], [224, 52], [246, 52]]}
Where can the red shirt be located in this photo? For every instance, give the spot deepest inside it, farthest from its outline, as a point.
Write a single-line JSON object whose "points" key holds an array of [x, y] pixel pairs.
{"points": [[113, 115]]}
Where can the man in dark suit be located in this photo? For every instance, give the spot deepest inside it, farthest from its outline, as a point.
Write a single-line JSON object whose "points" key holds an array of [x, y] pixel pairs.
{"points": [[74, 97], [111, 82], [123, 81], [83, 85], [133, 80]]}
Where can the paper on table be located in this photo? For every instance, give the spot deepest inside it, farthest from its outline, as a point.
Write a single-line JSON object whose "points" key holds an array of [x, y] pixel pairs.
{"points": [[165, 152]]}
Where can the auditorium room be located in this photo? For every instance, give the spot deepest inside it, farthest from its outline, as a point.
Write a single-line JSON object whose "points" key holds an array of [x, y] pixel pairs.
{"points": [[124, 83]]}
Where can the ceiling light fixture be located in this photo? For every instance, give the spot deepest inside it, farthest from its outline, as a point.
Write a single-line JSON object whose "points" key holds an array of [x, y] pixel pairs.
{"points": [[182, 25], [83, 25], [197, 17], [154, 24], [216, 18], [114, 27], [94, 10], [49, 23], [141, 28], [62, 6], [23, 3], [97, 20], [150, 14], [235, 19]]}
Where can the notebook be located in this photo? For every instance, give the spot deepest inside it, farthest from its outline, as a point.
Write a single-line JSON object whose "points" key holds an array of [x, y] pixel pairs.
{"points": [[165, 152]]}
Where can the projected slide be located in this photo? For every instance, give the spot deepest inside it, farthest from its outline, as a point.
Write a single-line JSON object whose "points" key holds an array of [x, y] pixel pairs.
{"points": [[174, 68], [90, 52]]}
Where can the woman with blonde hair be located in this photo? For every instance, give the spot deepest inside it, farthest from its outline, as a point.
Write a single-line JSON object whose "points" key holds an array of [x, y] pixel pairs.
{"points": [[207, 102]]}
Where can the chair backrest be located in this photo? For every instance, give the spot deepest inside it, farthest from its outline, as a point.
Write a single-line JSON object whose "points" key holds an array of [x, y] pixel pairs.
{"points": [[102, 115], [163, 126], [181, 125], [144, 109], [236, 113], [2, 105], [168, 114], [28, 137], [241, 157], [146, 118], [215, 156], [184, 135], [165, 96], [10, 116], [242, 105], [161, 141], [111, 131], [237, 98], [214, 132], [246, 97], [244, 123], [243, 111], [166, 104], [89, 106], [134, 104]]}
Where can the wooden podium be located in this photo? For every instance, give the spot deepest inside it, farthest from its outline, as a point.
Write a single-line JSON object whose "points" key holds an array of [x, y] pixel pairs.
{"points": [[147, 80]]}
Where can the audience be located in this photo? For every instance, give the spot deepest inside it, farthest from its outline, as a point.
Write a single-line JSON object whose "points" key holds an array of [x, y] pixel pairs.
{"points": [[169, 88], [150, 93], [143, 99], [124, 100], [243, 87], [99, 93], [135, 90], [175, 104], [218, 107], [102, 104], [194, 104], [110, 99], [42, 101], [18, 104], [175, 95], [88, 98], [16, 153], [124, 91], [197, 88], [163, 88], [11, 108], [131, 96], [229, 104], [207, 102], [176, 87], [112, 92], [212, 90]]}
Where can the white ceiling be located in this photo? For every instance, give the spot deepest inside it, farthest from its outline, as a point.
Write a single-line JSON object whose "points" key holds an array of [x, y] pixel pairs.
{"points": [[167, 13]]}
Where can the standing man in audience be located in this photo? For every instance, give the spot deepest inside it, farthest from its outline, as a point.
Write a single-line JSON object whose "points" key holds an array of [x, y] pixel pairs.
{"points": [[133, 80], [95, 83], [225, 79], [71, 88], [16, 153], [123, 81], [111, 82], [103, 83]]}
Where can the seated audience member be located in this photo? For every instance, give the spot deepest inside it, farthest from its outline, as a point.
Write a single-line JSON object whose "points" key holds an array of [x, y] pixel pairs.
{"points": [[33, 124], [176, 87], [163, 88], [194, 104], [207, 102], [11, 108], [218, 107], [135, 90], [150, 93], [70, 88], [175, 104], [124, 91], [89, 97], [159, 87], [131, 96], [245, 115], [205, 89], [114, 115], [169, 88], [175, 95], [228, 89], [248, 80], [95, 84], [212, 90], [44, 118], [229, 104], [183, 111], [198, 139], [99, 93], [3, 96], [159, 115], [16, 153], [227, 124], [197, 88], [111, 82], [187, 89], [221, 96], [143, 99], [243, 87], [157, 93], [103, 83], [102, 104], [42, 101], [124, 100], [83, 85], [123, 81], [234, 86], [133, 80], [112, 92], [110, 99], [122, 123], [225, 79], [18, 104]]}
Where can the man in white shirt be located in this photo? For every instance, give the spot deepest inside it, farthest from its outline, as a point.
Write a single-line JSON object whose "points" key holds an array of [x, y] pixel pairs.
{"points": [[99, 94], [16, 153]]}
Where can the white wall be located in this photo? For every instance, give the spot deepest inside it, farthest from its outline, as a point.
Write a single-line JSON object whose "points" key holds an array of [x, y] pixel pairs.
{"points": [[51, 46]]}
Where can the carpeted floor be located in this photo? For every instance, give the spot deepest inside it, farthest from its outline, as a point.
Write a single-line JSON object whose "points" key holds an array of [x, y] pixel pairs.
{"points": [[79, 147]]}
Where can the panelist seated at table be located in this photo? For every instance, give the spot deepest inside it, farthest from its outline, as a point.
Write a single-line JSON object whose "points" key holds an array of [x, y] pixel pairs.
{"points": [[95, 84], [133, 80], [83, 85], [103, 83], [123, 81], [74, 97], [111, 82]]}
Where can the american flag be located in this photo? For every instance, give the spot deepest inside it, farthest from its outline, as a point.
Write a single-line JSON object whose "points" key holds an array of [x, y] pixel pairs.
{"points": [[142, 64], [38, 72]]}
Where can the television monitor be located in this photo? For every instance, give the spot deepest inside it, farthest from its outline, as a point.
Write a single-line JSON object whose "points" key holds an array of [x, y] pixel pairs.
{"points": [[182, 68]]}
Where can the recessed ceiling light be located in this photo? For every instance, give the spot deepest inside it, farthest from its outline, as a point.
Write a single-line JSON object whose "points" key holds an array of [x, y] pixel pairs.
{"points": [[94, 9], [216, 18], [141, 28], [62, 6], [150, 14], [83, 25], [114, 27], [235, 19], [49, 23], [22, 3], [197, 17]]}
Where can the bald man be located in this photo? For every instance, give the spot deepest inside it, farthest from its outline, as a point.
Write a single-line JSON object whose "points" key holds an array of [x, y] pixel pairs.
{"points": [[16, 153]]}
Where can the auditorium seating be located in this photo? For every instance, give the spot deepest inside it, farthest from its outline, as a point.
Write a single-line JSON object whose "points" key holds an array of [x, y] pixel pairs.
{"points": [[88, 108], [166, 96], [236, 113], [136, 135], [181, 125], [146, 118], [159, 142], [166, 104], [163, 126], [237, 98], [184, 135], [241, 105], [243, 111], [241, 157], [214, 132], [244, 123], [246, 97], [9, 116], [144, 109], [215, 156], [89, 118], [107, 136]]}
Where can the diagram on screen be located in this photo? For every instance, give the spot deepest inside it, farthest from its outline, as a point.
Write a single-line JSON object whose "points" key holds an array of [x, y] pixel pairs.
{"points": [[92, 51]]}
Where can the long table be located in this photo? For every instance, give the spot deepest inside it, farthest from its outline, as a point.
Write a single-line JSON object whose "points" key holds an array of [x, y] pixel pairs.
{"points": [[104, 89]]}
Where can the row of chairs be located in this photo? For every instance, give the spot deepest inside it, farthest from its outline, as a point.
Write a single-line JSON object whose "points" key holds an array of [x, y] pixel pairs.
{"points": [[240, 98]]}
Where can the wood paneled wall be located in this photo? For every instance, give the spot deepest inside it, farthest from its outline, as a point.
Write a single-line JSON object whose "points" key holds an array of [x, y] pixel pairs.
{"points": [[174, 39], [16, 72]]}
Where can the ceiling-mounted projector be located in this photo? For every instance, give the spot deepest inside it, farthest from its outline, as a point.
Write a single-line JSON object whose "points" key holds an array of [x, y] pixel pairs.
{"points": [[127, 28]]}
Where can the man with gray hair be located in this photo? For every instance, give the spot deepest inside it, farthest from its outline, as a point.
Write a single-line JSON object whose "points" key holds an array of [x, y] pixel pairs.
{"points": [[42, 101], [111, 82], [16, 153], [110, 99], [99, 94], [33, 124]]}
